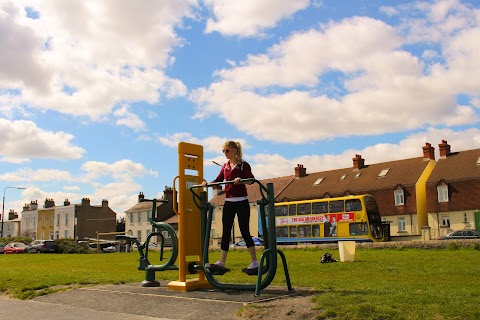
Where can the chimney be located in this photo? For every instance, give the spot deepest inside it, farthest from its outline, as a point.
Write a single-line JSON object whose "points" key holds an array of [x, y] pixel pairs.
{"points": [[12, 215], [49, 203], [358, 162], [86, 202], [33, 205], [66, 202], [140, 197], [300, 171], [168, 194], [444, 148], [26, 207], [428, 152]]}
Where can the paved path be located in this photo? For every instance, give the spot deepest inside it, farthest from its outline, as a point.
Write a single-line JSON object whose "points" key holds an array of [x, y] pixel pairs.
{"points": [[133, 302]]}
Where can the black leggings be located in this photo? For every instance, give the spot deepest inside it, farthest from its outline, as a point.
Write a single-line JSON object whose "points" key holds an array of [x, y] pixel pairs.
{"points": [[242, 209]]}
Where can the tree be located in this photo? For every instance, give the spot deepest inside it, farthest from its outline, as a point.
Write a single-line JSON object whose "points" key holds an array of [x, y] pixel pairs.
{"points": [[120, 225]]}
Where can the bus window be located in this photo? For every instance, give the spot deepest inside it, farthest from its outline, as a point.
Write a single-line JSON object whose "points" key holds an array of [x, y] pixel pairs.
{"points": [[319, 207], [281, 232], [337, 206], [358, 229], [292, 210], [304, 231], [280, 211], [304, 208], [353, 205], [316, 230], [292, 231]]}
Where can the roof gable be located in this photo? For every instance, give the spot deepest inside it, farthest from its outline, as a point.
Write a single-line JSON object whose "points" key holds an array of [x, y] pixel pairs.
{"points": [[457, 166]]}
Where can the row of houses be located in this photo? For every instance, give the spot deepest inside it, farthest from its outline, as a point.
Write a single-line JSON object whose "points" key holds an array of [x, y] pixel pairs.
{"points": [[69, 221], [420, 198]]}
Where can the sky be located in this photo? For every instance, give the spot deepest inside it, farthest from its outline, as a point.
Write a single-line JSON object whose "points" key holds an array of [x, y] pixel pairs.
{"points": [[96, 95]]}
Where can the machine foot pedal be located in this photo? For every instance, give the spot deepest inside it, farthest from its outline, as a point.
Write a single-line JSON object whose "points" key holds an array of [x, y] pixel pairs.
{"points": [[254, 271], [215, 269]]}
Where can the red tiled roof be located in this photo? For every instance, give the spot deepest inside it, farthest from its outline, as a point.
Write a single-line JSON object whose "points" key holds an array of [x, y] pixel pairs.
{"points": [[404, 172], [457, 166]]}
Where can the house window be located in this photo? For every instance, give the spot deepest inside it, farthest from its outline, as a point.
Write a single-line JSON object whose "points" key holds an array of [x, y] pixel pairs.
{"points": [[139, 235], [51, 221], [58, 219], [357, 175], [399, 197], [402, 225], [57, 235], [213, 216], [43, 221], [213, 233], [445, 221], [139, 217], [131, 217], [318, 181], [383, 173], [66, 234], [66, 219], [343, 177], [442, 191]]}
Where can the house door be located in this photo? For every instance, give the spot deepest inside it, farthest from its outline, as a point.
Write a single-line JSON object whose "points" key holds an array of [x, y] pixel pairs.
{"points": [[477, 220]]}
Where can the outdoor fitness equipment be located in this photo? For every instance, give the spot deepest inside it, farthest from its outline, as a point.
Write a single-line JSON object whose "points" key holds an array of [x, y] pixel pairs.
{"points": [[268, 259], [191, 246]]}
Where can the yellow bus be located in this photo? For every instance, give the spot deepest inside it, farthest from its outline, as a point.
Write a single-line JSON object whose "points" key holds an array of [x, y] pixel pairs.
{"points": [[328, 220]]}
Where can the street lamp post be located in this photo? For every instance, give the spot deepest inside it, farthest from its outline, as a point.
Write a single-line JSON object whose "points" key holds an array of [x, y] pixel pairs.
{"points": [[3, 205]]}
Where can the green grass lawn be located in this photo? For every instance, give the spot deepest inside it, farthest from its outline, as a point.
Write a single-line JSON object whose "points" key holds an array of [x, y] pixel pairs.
{"points": [[381, 283]]}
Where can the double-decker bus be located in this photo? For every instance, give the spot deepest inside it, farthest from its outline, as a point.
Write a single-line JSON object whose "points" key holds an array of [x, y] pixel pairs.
{"points": [[328, 220]]}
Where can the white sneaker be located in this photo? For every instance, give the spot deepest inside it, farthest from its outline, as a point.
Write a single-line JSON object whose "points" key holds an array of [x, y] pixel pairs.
{"points": [[253, 265], [220, 264]]}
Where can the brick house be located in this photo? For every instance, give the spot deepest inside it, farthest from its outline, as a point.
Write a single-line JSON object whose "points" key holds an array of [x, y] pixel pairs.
{"points": [[453, 200], [398, 186]]}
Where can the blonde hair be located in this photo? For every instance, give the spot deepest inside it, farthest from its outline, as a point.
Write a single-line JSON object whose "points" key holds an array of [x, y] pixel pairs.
{"points": [[234, 145]]}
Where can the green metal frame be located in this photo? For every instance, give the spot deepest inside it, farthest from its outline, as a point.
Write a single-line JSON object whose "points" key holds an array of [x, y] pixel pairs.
{"points": [[268, 258]]}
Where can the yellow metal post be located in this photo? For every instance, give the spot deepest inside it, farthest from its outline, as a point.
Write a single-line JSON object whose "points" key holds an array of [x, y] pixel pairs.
{"points": [[190, 172]]}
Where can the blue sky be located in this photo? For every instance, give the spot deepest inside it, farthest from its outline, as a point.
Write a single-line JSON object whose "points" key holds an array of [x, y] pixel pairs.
{"points": [[96, 95]]}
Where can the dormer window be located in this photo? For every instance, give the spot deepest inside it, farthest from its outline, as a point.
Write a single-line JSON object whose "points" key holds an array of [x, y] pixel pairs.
{"points": [[442, 190], [343, 177], [383, 173], [318, 181], [357, 175], [399, 197]]}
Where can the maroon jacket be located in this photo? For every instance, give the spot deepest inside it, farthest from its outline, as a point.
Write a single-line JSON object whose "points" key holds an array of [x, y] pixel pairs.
{"points": [[243, 171]]}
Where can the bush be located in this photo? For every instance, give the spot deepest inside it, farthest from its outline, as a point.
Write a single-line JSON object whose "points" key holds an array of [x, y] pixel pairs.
{"points": [[25, 240], [71, 246]]}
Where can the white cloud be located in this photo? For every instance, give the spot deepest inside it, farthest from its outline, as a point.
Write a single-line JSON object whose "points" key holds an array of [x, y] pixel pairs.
{"points": [[40, 175], [248, 18], [275, 165], [84, 57], [122, 169], [211, 144], [128, 119], [22, 141], [386, 89]]}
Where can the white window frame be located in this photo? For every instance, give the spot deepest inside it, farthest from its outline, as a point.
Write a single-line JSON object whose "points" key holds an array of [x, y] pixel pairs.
{"points": [[402, 224], [399, 197], [131, 217], [442, 192], [445, 220]]}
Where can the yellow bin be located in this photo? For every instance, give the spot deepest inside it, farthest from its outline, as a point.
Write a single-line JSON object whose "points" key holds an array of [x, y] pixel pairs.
{"points": [[347, 250]]}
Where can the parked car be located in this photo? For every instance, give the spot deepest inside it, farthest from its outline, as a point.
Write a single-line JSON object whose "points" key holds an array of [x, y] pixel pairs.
{"points": [[461, 234], [2, 248], [42, 246], [15, 247], [241, 243]]}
